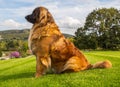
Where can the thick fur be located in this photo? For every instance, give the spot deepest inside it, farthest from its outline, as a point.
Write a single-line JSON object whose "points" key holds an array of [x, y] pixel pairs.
{"points": [[51, 49]]}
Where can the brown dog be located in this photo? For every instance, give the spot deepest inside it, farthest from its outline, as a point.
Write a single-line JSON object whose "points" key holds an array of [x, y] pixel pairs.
{"points": [[51, 49]]}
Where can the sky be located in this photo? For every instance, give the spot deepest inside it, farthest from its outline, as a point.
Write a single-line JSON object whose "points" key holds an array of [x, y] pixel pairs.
{"points": [[68, 14]]}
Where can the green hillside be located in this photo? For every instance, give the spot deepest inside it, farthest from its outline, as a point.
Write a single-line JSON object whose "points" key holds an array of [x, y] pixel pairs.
{"points": [[20, 73], [15, 34], [19, 34]]}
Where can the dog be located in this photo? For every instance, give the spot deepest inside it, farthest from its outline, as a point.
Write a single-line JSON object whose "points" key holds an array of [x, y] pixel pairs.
{"points": [[52, 50]]}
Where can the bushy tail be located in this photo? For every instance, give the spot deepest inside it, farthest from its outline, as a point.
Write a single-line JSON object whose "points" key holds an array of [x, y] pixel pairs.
{"points": [[102, 64]]}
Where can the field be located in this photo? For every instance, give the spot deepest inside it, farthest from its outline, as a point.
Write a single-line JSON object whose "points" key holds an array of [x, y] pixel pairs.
{"points": [[20, 73]]}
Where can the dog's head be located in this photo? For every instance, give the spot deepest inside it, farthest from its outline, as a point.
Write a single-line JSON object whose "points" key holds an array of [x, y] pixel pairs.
{"points": [[40, 15]]}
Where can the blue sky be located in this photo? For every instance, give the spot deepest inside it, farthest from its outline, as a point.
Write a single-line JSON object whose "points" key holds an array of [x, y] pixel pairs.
{"points": [[68, 14]]}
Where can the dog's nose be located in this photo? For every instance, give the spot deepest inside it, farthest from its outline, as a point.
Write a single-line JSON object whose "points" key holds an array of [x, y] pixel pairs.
{"points": [[26, 17]]}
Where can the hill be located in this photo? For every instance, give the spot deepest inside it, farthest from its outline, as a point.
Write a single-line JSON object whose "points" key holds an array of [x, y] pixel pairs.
{"points": [[15, 34], [19, 34]]}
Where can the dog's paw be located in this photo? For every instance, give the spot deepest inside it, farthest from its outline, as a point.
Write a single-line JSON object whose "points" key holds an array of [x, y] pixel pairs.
{"points": [[37, 75]]}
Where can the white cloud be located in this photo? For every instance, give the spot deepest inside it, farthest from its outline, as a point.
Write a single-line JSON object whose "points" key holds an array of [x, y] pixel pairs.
{"points": [[69, 25], [69, 22], [12, 24]]}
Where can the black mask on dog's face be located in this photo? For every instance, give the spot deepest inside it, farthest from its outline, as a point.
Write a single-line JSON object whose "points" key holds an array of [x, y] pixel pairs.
{"points": [[32, 18]]}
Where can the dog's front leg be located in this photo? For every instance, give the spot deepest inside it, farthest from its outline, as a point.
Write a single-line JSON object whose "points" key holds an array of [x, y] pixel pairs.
{"points": [[39, 68], [42, 64]]}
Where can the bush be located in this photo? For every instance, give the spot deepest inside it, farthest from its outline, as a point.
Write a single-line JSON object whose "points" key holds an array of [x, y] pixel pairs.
{"points": [[15, 54]]}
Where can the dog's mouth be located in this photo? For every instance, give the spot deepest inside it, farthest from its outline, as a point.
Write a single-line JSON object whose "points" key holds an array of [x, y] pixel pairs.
{"points": [[30, 19]]}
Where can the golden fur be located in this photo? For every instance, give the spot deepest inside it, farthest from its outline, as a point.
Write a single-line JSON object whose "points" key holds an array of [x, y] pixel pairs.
{"points": [[103, 64], [51, 49]]}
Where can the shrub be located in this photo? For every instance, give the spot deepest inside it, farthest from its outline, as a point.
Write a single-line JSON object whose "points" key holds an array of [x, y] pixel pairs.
{"points": [[15, 54]]}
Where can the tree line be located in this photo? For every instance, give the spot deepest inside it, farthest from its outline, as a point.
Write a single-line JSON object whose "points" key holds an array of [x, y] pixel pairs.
{"points": [[101, 30]]}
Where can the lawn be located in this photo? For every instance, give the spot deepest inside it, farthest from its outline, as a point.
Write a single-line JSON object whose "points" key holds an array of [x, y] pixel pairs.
{"points": [[20, 73]]}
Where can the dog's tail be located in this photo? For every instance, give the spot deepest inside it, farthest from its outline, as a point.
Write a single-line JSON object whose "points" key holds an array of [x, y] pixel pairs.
{"points": [[101, 64]]}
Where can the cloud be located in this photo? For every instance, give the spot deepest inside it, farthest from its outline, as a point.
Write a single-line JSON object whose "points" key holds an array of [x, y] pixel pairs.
{"points": [[12, 24], [69, 22], [69, 25]]}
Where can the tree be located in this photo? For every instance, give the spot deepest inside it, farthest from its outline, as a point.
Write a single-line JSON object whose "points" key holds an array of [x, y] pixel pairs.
{"points": [[84, 41], [102, 27], [23, 48], [3, 45]]}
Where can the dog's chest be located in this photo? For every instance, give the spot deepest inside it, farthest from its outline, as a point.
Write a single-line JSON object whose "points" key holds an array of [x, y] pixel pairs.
{"points": [[40, 43], [29, 39]]}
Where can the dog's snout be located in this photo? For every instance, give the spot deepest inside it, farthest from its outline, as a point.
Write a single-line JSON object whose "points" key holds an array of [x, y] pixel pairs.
{"points": [[26, 17], [30, 18]]}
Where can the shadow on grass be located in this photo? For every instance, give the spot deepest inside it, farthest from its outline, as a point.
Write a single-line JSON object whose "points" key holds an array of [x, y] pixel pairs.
{"points": [[16, 76]]}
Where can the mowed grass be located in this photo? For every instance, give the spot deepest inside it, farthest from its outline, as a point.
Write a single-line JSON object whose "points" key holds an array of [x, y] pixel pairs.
{"points": [[20, 73]]}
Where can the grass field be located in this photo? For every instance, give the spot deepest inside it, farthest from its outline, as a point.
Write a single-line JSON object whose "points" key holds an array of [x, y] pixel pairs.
{"points": [[20, 73]]}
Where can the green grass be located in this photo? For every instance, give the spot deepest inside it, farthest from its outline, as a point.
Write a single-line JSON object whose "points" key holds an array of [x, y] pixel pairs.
{"points": [[20, 73]]}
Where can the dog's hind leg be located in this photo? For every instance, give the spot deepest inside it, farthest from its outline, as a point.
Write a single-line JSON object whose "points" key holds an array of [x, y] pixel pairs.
{"points": [[74, 64]]}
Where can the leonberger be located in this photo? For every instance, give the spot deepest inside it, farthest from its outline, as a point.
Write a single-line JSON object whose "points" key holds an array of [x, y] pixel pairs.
{"points": [[52, 50]]}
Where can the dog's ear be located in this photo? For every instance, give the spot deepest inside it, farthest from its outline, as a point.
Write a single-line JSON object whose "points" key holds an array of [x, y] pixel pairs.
{"points": [[49, 18], [45, 16]]}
